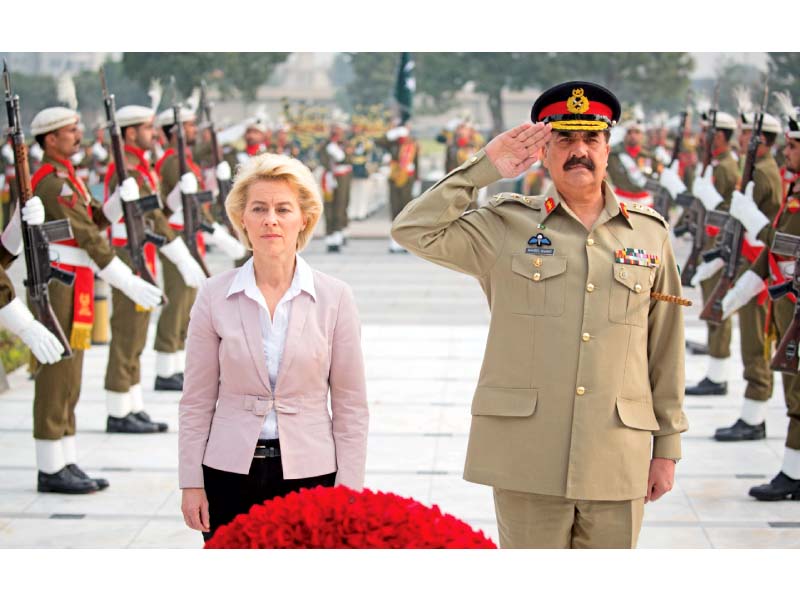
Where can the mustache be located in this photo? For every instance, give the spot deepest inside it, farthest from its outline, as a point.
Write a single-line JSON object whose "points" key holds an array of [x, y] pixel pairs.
{"points": [[576, 162]]}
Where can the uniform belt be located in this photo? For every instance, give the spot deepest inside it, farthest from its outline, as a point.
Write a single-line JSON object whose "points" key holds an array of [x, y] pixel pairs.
{"points": [[342, 169], [267, 449], [69, 255], [119, 231]]}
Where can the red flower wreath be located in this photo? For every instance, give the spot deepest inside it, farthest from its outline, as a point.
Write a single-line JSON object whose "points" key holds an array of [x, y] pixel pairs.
{"points": [[338, 517]]}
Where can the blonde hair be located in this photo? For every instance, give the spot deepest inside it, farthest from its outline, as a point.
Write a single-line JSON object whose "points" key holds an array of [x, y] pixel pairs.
{"points": [[275, 167]]}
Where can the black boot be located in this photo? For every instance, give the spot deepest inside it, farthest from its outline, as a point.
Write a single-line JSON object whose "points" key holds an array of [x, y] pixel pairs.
{"points": [[145, 418], [334, 248], [173, 383], [782, 487], [707, 388], [129, 424], [741, 431], [64, 482], [78, 472]]}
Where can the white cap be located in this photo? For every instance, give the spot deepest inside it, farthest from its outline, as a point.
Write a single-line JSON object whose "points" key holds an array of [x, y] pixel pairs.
{"points": [[770, 124], [134, 115], [167, 117], [53, 118], [631, 124], [258, 124], [724, 120]]}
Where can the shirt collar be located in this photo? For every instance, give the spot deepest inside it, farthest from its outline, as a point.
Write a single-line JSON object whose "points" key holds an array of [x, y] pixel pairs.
{"points": [[612, 205], [245, 280]]}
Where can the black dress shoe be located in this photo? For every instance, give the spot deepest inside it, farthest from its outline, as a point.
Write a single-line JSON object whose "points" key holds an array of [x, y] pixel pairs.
{"points": [[64, 482], [707, 388], [697, 349], [741, 431], [333, 248], [129, 424], [782, 487], [145, 418], [173, 383], [78, 472]]}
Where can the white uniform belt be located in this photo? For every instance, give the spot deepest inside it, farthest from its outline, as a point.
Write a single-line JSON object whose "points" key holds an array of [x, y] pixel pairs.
{"points": [[119, 231], [342, 169], [176, 218], [70, 255]]}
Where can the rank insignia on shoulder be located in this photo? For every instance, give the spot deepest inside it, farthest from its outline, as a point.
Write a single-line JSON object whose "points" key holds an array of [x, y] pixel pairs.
{"points": [[636, 256], [549, 205], [623, 208], [793, 205]]}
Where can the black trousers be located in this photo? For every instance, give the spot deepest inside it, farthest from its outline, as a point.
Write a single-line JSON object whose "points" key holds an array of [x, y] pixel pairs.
{"points": [[231, 494]]}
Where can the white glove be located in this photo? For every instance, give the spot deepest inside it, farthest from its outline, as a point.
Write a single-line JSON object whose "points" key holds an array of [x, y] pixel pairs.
{"points": [[8, 153], [99, 152], [11, 238], [37, 154], [744, 210], [227, 243], [188, 184], [16, 317], [704, 190], [748, 286], [118, 275], [672, 181], [223, 171], [33, 211], [706, 270], [177, 252], [662, 156], [397, 132], [127, 192], [335, 151], [77, 158]]}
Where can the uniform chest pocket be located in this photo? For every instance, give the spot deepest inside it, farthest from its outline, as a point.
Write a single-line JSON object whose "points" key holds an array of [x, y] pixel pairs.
{"points": [[630, 294], [539, 284]]}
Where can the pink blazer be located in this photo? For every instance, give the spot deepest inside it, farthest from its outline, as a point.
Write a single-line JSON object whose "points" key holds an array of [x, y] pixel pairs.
{"points": [[227, 393]]}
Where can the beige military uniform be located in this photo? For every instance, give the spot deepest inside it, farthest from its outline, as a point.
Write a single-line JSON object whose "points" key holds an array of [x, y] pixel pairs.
{"points": [[583, 374]]}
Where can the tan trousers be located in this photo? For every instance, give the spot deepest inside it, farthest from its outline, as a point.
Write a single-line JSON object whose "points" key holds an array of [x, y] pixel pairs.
{"points": [[173, 324], [536, 521]]}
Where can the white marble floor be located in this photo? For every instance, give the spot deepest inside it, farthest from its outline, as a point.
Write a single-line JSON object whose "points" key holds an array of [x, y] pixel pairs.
{"points": [[423, 334]]}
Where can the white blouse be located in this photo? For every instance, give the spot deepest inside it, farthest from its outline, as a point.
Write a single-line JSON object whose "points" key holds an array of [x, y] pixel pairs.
{"points": [[273, 328]]}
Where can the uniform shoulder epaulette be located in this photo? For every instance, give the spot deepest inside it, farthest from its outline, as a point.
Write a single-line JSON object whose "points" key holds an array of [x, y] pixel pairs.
{"points": [[530, 201], [635, 207]]}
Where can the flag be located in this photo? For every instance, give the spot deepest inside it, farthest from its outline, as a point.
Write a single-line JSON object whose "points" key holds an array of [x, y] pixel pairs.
{"points": [[405, 87]]}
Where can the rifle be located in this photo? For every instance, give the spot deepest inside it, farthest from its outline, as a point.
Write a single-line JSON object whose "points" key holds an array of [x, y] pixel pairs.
{"points": [[786, 356], [36, 238], [192, 203], [662, 201], [734, 230], [204, 121], [133, 212]]}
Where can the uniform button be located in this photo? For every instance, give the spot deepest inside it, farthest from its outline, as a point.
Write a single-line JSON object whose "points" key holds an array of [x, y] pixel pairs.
{"points": [[637, 288], [590, 287], [537, 276], [580, 391], [586, 337], [590, 242], [623, 274], [537, 262]]}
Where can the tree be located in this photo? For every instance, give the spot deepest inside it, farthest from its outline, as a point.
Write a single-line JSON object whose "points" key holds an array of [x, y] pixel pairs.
{"points": [[784, 73], [373, 77], [36, 92], [90, 94], [246, 71]]}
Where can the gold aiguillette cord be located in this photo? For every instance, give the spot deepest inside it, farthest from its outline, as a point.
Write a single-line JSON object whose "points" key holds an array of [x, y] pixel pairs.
{"points": [[673, 299]]}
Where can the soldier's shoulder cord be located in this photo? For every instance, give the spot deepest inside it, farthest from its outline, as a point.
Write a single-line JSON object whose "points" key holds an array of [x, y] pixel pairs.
{"points": [[640, 209]]}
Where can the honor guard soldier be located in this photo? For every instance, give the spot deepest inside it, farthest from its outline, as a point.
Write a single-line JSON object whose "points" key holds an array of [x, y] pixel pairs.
{"points": [[714, 190], [129, 322], [173, 322], [254, 136], [14, 315], [763, 194], [335, 186], [772, 268], [572, 448], [58, 385], [403, 171], [628, 163]]}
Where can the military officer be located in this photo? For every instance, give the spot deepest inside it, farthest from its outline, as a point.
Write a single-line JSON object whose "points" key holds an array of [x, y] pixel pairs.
{"points": [[572, 448], [336, 182], [129, 322], [763, 200], [173, 322], [714, 189], [774, 269], [404, 171], [58, 386], [626, 165], [14, 315]]}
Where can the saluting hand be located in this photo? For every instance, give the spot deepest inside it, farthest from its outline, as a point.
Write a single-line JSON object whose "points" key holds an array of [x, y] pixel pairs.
{"points": [[513, 151], [661, 478]]}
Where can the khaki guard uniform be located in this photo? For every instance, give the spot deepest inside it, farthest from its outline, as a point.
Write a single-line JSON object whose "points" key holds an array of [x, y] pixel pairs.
{"points": [[583, 374]]}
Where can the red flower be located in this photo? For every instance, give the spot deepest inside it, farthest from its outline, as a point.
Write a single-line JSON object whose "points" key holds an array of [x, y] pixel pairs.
{"points": [[339, 517]]}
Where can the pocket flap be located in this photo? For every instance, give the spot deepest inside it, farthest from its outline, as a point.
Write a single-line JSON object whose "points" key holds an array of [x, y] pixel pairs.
{"points": [[504, 402], [637, 415], [549, 266], [631, 275]]}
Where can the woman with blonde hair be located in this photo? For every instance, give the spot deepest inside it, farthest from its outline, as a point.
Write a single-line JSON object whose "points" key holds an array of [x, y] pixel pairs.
{"points": [[267, 343]]}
